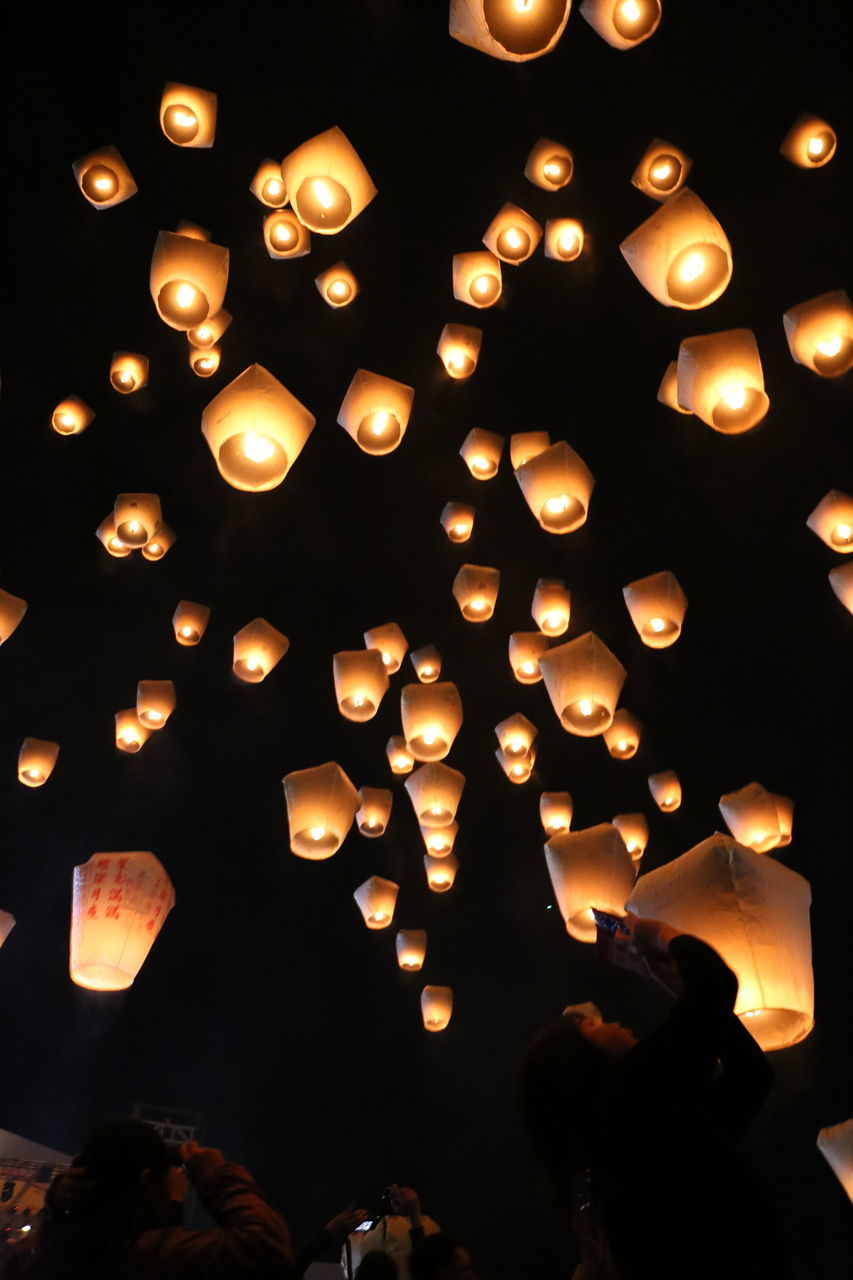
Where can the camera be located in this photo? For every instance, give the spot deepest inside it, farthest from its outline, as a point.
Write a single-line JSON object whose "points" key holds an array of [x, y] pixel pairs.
{"points": [[386, 1207]]}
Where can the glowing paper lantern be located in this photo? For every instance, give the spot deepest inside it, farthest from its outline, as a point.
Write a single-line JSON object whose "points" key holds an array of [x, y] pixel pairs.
{"points": [[7, 924], [441, 872], [623, 737], [720, 379], [258, 647], [476, 590], [668, 389], [820, 333], [481, 451], [432, 717], [327, 182], [459, 349], [435, 791], [665, 790], [555, 811], [131, 736], [411, 949], [189, 621], [477, 278], [104, 178], [374, 810], [208, 333], [662, 171], [515, 735], [338, 286], [193, 230], [128, 372], [439, 841], [436, 1007], [119, 903], [71, 416], [624, 24], [321, 804], [552, 606], [188, 279], [557, 486], [376, 900], [589, 869], [390, 642], [512, 235], [835, 1144], [188, 115], [657, 606], [163, 540], [525, 445], [36, 760], [427, 663], [255, 429], [268, 186], [832, 521], [457, 521], [375, 411], [12, 610], [400, 758], [137, 518], [155, 702], [841, 581], [361, 681], [512, 30], [107, 536], [549, 165], [681, 254], [810, 143], [757, 818], [634, 830], [755, 913], [205, 362], [285, 236], [584, 680], [525, 650], [517, 770], [564, 239]]}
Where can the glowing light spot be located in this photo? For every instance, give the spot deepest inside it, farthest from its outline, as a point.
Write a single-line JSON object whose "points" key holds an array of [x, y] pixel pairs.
{"points": [[129, 739], [34, 774], [154, 716], [379, 916], [103, 184], [203, 334], [273, 189], [426, 671], [358, 700], [257, 448], [460, 528], [456, 358], [554, 619], [631, 11], [524, 6], [568, 242], [430, 737], [513, 238], [662, 171], [517, 770], [186, 632], [658, 624], [317, 833], [66, 420], [692, 267], [843, 532], [830, 346], [134, 526], [734, 397], [482, 285], [436, 810], [528, 668], [379, 426], [557, 505], [585, 707], [478, 604], [284, 233], [205, 363], [622, 744], [126, 379], [184, 118], [115, 544], [816, 147], [154, 548], [552, 169], [324, 194]]}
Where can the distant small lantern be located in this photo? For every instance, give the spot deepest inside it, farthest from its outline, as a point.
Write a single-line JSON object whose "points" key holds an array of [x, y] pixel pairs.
{"points": [[720, 379], [624, 24], [327, 182], [477, 278], [564, 239], [634, 830], [411, 949], [255, 429], [427, 663], [623, 737], [435, 791], [163, 540], [584, 681], [390, 642], [188, 115], [835, 1143], [109, 539], [321, 804], [476, 590], [441, 872], [681, 254], [525, 650], [376, 900], [188, 279], [512, 235], [128, 372], [481, 451], [400, 758], [285, 236], [119, 904], [841, 581], [204, 362], [7, 924], [657, 606], [590, 870], [189, 622], [525, 445], [436, 1007], [549, 165], [432, 717], [832, 521], [668, 389], [375, 411], [517, 769], [268, 185], [753, 911], [459, 349], [130, 735], [361, 681], [555, 811], [515, 736], [457, 521], [662, 170], [36, 759], [71, 416], [208, 333], [337, 286], [512, 30], [258, 647], [155, 702], [439, 841], [12, 610], [552, 606], [820, 333], [104, 178], [757, 818], [665, 790], [810, 143], [557, 486], [137, 517]]}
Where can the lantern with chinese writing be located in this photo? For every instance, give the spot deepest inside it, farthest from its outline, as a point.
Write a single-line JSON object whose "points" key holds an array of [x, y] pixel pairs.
{"points": [[439, 841], [189, 621], [755, 913], [477, 278], [137, 518], [71, 416], [757, 818], [564, 239], [390, 642], [517, 769], [204, 362], [258, 647], [835, 1144], [104, 178], [435, 791], [665, 790], [481, 451], [432, 717], [809, 143], [459, 349], [662, 171], [555, 811], [130, 735], [375, 412], [476, 590], [376, 899], [625, 23], [321, 804], [589, 869], [120, 901], [7, 924], [832, 521], [525, 650], [128, 371], [188, 279], [557, 485], [12, 610], [285, 236], [515, 735], [657, 606], [634, 830], [400, 758], [820, 333], [374, 810], [255, 430], [552, 606], [584, 680], [525, 445], [208, 333], [427, 663], [549, 165], [188, 115], [361, 681], [668, 389], [441, 872], [268, 186], [512, 235], [327, 183], [162, 541], [436, 1007], [155, 702], [681, 254], [411, 949], [337, 286], [623, 737], [841, 581], [36, 760], [457, 521], [720, 379], [512, 30]]}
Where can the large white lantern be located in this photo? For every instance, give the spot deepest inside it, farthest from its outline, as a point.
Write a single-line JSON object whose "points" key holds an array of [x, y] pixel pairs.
{"points": [[657, 606], [376, 899], [820, 333], [327, 183], [321, 804], [557, 485], [188, 279], [584, 680], [720, 379], [435, 791], [361, 682], [375, 412], [255, 429], [623, 23], [120, 901], [681, 254], [512, 30], [432, 717], [188, 115], [757, 818]]}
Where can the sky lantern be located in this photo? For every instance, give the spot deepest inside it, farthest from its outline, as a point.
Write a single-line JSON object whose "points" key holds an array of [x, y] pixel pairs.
{"points": [[477, 278], [810, 142], [188, 279], [552, 606], [457, 521], [512, 30], [668, 389], [625, 23], [427, 663], [400, 758], [71, 416], [439, 841], [557, 485], [476, 590], [657, 606], [512, 235], [12, 610], [820, 333], [525, 650], [204, 362], [665, 790], [623, 737], [525, 445], [517, 768], [327, 183], [589, 869], [584, 680], [268, 185], [376, 900], [321, 804], [285, 236], [720, 379], [459, 349], [515, 736], [841, 581], [564, 238], [832, 521], [432, 717], [755, 912], [680, 254], [337, 285], [481, 451], [375, 411], [411, 949], [555, 811], [119, 904], [435, 791], [162, 541], [128, 372], [634, 830], [188, 115], [361, 681], [208, 333], [36, 759], [255, 429], [155, 702], [137, 518], [189, 621], [436, 1007], [258, 647], [104, 178], [835, 1143], [662, 170], [7, 924], [390, 642], [441, 872], [549, 165], [757, 818], [130, 735]]}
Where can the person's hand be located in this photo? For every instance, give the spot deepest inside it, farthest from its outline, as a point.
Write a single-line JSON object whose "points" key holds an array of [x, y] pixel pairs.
{"points": [[650, 940], [405, 1201], [176, 1182], [200, 1162], [75, 1191], [343, 1224]]}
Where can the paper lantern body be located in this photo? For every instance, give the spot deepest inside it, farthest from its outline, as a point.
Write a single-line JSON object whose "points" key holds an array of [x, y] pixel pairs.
{"points": [[7, 924], [552, 606], [361, 681], [439, 841], [757, 818], [107, 536], [36, 760], [411, 949], [327, 183], [321, 804], [400, 758], [525, 650], [258, 647], [625, 23], [435, 791], [255, 430], [810, 143], [440, 872], [104, 178], [507, 29], [390, 642], [476, 590], [564, 239], [525, 445], [512, 235], [634, 830], [835, 1144], [623, 737], [285, 236], [189, 621], [128, 372], [841, 581], [268, 185], [459, 349], [657, 606], [481, 451], [337, 286], [720, 379], [436, 1007], [477, 278], [12, 610], [662, 171], [457, 521], [515, 735], [665, 789], [589, 868], [584, 680], [820, 333], [555, 811], [432, 717], [120, 901], [681, 254], [832, 521], [71, 416], [427, 663], [549, 165], [375, 412], [208, 333], [188, 279], [155, 702], [204, 362], [668, 389], [755, 913], [137, 518], [188, 115], [374, 810], [130, 735], [557, 485], [376, 900], [517, 768], [162, 541]]}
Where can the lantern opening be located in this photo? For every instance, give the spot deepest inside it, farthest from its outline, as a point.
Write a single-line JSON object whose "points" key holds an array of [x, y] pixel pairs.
{"points": [[697, 274], [556, 171], [665, 172], [180, 123], [99, 183], [562, 513], [253, 458], [132, 533], [739, 408], [833, 354], [635, 19], [584, 716], [379, 432], [524, 26], [183, 303], [322, 204], [514, 244], [102, 977]]}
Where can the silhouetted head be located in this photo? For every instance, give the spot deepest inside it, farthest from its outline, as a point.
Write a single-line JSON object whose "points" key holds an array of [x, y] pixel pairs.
{"points": [[439, 1257], [377, 1265], [119, 1153]]}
